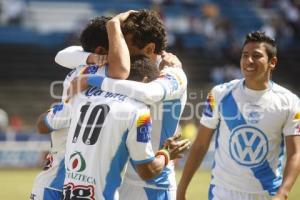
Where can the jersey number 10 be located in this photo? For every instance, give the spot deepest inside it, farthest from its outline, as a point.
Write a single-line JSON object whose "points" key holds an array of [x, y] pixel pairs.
{"points": [[91, 129]]}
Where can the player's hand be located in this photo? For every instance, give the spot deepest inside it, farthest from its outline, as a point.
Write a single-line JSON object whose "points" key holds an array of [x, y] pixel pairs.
{"points": [[176, 147], [280, 197], [121, 17], [97, 59], [77, 85], [169, 60]]}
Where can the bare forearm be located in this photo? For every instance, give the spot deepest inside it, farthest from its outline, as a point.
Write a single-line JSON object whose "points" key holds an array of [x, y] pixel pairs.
{"points": [[193, 162], [118, 55], [291, 173]]}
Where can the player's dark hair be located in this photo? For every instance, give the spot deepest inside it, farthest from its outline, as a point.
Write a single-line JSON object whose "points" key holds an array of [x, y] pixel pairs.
{"points": [[95, 34], [142, 66], [146, 26], [261, 37]]}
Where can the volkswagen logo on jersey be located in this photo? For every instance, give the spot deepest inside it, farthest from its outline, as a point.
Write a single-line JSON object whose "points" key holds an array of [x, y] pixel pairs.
{"points": [[76, 162], [248, 145]]}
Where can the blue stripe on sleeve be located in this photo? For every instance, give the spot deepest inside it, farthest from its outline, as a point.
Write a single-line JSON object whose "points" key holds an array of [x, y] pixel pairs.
{"points": [[95, 81], [48, 124]]}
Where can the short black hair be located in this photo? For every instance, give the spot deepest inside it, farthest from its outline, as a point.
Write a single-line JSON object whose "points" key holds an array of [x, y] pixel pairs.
{"points": [[95, 34], [142, 66], [261, 37], [145, 27]]}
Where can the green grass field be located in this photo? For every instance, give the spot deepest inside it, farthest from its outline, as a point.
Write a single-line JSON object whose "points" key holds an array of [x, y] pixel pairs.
{"points": [[16, 185]]}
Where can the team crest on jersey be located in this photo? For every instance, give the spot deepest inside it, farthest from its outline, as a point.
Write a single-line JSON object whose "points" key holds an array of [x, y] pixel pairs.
{"points": [[253, 113], [144, 126], [248, 145], [76, 162], [71, 191], [209, 105]]}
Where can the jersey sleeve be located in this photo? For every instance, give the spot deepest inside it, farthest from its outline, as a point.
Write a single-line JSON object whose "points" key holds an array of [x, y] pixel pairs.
{"points": [[58, 117], [173, 81], [292, 125], [210, 115], [66, 84], [170, 85], [147, 93], [71, 57], [139, 138]]}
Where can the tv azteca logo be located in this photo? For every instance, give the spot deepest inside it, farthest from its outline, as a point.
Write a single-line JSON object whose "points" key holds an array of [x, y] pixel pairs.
{"points": [[76, 162]]}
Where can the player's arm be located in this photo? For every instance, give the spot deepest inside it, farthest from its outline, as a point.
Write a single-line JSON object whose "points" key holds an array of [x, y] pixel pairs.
{"points": [[209, 122], [171, 85], [292, 167], [152, 169], [195, 157], [147, 163], [118, 53], [291, 131], [57, 117]]}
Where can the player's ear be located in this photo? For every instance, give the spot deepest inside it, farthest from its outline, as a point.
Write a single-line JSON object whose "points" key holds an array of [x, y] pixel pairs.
{"points": [[100, 50], [145, 79], [273, 62], [149, 49]]}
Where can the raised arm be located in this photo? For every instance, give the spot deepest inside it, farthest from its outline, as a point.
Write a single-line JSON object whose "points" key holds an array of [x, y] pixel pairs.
{"points": [[118, 53], [72, 57]]}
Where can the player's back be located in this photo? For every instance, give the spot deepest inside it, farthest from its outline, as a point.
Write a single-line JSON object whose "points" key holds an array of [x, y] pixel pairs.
{"points": [[98, 144]]}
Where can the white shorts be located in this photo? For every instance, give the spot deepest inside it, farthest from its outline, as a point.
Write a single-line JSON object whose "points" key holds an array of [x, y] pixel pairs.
{"points": [[132, 192], [220, 193], [49, 183]]}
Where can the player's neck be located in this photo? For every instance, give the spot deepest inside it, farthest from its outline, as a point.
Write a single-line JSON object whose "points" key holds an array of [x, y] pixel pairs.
{"points": [[256, 85]]}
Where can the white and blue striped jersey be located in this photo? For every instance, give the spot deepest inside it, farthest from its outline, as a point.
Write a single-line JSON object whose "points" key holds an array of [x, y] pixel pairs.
{"points": [[166, 97], [250, 130], [105, 129], [52, 177]]}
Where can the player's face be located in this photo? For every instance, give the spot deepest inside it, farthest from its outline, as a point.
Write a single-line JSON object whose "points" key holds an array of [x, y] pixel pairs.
{"points": [[255, 64], [148, 50]]}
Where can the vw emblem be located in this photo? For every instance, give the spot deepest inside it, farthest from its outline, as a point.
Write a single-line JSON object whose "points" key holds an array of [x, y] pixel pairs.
{"points": [[248, 145]]}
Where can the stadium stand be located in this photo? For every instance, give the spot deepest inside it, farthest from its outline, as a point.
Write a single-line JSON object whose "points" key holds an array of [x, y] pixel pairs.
{"points": [[203, 33]]}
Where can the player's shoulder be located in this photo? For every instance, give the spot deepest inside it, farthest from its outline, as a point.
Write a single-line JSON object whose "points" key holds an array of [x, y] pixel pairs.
{"points": [[85, 70], [174, 72], [224, 88], [283, 93]]}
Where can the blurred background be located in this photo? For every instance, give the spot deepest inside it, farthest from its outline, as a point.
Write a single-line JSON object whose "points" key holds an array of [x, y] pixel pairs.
{"points": [[206, 35]]}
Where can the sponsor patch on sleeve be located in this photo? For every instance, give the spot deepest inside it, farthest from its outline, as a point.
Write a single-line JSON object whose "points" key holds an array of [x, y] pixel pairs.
{"points": [[173, 79], [144, 127], [297, 116], [209, 105]]}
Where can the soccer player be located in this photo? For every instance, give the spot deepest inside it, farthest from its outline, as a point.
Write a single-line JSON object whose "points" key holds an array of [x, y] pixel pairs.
{"points": [[145, 34], [105, 130], [254, 120], [49, 183]]}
